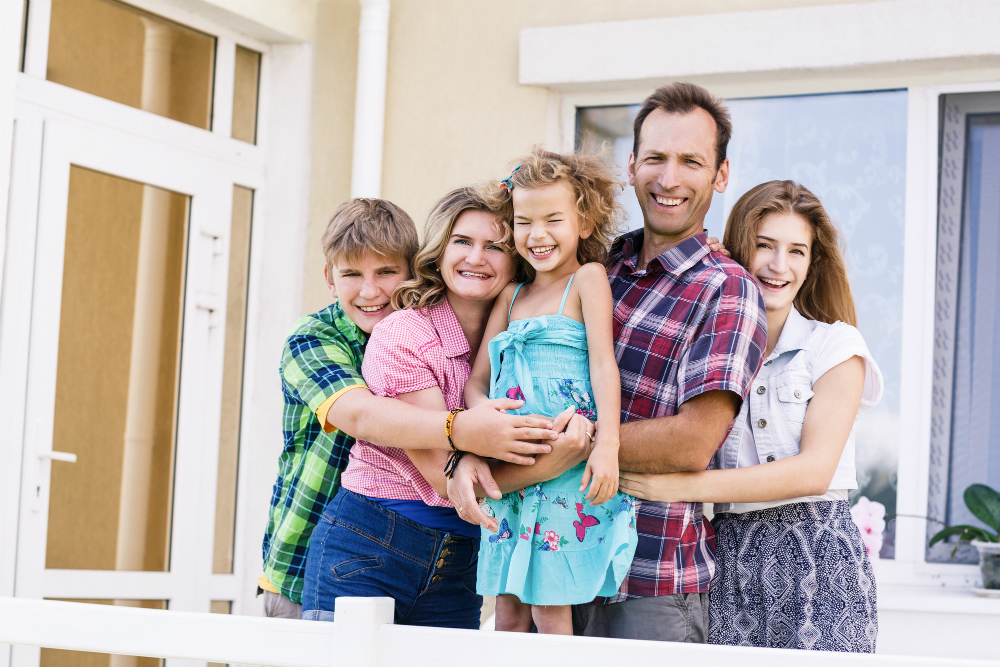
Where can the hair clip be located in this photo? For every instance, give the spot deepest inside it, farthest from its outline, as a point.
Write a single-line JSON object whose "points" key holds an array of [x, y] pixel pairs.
{"points": [[506, 183]]}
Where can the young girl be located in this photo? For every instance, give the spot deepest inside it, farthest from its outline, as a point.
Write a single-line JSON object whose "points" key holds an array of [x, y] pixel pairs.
{"points": [[571, 539]]}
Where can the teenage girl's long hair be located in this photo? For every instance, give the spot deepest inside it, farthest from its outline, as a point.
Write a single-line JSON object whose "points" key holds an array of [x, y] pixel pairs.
{"points": [[826, 293]]}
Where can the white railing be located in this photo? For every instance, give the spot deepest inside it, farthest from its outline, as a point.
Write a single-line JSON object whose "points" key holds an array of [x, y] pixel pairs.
{"points": [[364, 636]]}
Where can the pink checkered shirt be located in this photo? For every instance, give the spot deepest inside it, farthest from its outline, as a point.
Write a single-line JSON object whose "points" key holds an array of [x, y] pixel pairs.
{"points": [[408, 351]]}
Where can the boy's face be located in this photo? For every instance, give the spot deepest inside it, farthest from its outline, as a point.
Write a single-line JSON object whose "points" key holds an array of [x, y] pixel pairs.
{"points": [[364, 286]]}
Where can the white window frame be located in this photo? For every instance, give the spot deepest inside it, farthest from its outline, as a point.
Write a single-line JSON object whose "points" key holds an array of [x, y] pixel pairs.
{"points": [[560, 58], [277, 169]]}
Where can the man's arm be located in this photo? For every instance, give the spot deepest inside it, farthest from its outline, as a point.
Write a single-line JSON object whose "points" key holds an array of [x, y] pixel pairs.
{"points": [[483, 430], [682, 442]]}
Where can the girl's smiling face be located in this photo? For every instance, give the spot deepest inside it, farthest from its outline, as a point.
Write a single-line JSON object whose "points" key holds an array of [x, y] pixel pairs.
{"points": [[781, 264], [474, 265], [547, 227]]}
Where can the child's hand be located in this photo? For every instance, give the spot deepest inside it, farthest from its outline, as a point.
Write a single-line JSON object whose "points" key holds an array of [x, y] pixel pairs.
{"points": [[601, 474]]}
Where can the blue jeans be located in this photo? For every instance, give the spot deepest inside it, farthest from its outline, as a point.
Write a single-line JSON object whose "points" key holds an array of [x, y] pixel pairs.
{"points": [[362, 549]]}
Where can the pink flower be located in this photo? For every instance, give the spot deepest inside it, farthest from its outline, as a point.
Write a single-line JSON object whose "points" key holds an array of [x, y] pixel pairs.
{"points": [[514, 393], [869, 517], [553, 546], [538, 528], [551, 537], [525, 536]]}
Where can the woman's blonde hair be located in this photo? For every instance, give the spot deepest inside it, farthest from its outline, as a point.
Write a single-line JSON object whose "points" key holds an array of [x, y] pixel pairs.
{"points": [[826, 293], [427, 288], [594, 186]]}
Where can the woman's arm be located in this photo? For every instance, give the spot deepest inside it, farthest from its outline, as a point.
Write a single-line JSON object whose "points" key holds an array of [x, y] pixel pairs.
{"points": [[827, 425], [477, 388], [601, 473], [430, 462], [484, 430]]}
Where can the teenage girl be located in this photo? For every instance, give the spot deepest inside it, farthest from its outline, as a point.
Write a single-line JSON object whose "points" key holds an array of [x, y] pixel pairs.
{"points": [[791, 569], [572, 538]]}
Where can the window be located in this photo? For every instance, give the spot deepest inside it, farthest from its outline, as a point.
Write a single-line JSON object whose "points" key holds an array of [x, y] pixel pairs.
{"points": [[965, 422], [850, 150]]}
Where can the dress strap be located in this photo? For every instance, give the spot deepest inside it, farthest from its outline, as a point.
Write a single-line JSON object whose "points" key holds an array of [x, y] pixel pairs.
{"points": [[562, 303], [516, 290]]}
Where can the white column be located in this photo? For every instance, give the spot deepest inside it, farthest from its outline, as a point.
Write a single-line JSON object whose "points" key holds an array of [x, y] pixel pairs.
{"points": [[142, 413], [369, 101]]}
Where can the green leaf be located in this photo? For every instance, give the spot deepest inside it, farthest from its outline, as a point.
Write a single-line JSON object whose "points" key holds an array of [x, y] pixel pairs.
{"points": [[963, 532], [984, 502]]}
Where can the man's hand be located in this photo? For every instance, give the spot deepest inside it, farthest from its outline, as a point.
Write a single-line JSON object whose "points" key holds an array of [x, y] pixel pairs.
{"points": [[485, 430], [471, 472]]}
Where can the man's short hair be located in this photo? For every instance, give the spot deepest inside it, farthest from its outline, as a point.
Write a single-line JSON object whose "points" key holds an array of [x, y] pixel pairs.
{"points": [[364, 225], [682, 98]]}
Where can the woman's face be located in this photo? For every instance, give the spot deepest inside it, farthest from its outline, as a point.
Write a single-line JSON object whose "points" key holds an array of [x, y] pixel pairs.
{"points": [[474, 265], [784, 250]]}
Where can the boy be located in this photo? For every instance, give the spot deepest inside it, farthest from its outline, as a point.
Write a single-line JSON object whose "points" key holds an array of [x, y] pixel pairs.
{"points": [[368, 245]]}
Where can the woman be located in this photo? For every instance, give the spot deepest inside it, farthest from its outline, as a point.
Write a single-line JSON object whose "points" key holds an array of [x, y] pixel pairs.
{"points": [[391, 530], [792, 571]]}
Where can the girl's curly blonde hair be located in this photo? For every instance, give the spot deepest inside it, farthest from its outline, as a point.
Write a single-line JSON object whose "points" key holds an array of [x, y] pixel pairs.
{"points": [[594, 185]]}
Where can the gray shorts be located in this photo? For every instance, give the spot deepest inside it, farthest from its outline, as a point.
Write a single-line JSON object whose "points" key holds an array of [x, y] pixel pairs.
{"points": [[668, 618], [278, 606]]}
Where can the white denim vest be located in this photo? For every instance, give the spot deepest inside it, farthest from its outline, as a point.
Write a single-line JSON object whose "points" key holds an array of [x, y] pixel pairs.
{"points": [[780, 394]]}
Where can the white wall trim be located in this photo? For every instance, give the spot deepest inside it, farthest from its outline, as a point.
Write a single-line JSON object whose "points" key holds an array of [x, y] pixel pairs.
{"points": [[803, 42]]}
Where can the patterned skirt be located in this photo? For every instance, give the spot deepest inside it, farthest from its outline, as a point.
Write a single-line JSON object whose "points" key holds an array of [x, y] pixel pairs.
{"points": [[794, 576]]}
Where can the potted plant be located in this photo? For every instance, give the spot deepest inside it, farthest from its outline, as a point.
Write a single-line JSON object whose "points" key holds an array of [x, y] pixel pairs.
{"points": [[984, 503]]}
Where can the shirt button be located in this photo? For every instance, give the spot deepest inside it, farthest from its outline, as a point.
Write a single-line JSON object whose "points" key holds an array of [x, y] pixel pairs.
{"points": [[798, 394], [770, 459], [762, 423], [761, 390]]}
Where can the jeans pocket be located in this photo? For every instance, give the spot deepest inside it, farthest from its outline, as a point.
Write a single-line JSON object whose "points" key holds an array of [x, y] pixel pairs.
{"points": [[469, 582], [355, 565]]}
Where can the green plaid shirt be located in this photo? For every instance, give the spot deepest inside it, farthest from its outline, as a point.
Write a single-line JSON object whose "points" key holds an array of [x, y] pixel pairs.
{"points": [[322, 358]]}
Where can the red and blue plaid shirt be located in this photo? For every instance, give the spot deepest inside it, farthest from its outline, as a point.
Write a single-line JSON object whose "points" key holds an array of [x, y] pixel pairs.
{"points": [[691, 321]]}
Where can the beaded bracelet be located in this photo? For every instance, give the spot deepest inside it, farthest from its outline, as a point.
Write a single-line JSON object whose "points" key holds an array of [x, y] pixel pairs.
{"points": [[449, 420], [456, 453]]}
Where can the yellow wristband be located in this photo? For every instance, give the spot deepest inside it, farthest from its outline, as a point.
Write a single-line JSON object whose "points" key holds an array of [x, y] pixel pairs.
{"points": [[449, 420]]}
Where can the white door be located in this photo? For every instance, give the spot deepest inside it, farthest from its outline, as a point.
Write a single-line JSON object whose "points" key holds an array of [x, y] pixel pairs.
{"points": [[120, 244]]}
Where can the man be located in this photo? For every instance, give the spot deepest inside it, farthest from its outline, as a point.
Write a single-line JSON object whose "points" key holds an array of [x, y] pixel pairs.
{"points": [[690, 331]]}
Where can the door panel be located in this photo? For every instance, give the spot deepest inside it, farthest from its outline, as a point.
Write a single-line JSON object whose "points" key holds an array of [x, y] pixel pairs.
{"points": [[124, 376]]}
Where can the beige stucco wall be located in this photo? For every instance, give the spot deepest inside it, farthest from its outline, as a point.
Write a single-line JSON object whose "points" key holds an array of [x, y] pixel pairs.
{"points": [[455, 111]]}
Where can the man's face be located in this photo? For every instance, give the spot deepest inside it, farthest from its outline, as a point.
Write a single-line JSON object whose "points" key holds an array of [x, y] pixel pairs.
{"points": [[364, 287], [674, 173]]}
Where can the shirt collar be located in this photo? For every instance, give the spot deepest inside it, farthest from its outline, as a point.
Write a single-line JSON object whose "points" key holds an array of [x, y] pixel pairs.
{"points": [[675, 261], [794, 335], [448, 329]]}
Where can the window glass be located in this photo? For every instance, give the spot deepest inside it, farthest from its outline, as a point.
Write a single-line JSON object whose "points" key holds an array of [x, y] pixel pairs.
{"points": [[117, 375], [245, 90], [965, 427], [232, 381], [120, 53], [850, 150]]}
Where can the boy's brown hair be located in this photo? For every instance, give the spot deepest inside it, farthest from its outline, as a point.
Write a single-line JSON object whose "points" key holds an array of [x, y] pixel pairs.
{"points": [[363, 225]]}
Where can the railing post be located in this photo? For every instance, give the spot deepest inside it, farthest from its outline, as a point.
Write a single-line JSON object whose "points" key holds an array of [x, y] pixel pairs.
{"points": [[355, 630]]}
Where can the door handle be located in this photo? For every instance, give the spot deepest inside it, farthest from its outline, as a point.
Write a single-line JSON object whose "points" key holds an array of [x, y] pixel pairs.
{"points": [[58, 456]]}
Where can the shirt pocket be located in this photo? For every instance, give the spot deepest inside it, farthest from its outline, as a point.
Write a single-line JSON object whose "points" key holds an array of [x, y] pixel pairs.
{"points": [[793, 394]]}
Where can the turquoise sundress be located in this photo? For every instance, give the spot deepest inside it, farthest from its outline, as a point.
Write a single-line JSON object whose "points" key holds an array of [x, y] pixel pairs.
{"points": [[553, 547]]}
